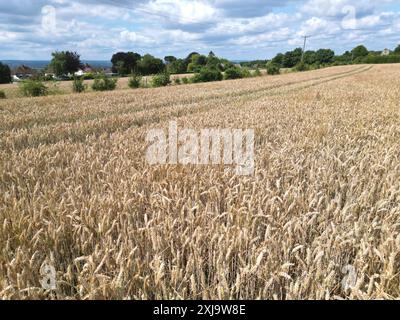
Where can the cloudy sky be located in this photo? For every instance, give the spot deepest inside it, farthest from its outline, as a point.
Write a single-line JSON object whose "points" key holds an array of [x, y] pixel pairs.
{"points": [[236, 29]]}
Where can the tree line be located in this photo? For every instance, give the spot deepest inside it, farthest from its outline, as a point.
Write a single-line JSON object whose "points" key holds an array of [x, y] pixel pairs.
{"points": [[128, 63], [327, 57]]}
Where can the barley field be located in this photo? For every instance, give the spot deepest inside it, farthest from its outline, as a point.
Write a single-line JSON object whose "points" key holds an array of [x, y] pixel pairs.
{"points": [[322, 208]]}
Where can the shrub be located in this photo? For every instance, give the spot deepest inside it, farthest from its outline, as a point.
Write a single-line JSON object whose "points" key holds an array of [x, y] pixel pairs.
{"points": [[273, 69], [135, 81], [257, 73], [233, 73], [207, 75], [2, 95], [161, 80], [102, 83], [33, 88], [302, 67], [89, 76], [185, 80], [5, 73], [78, 86], [177, 81]]}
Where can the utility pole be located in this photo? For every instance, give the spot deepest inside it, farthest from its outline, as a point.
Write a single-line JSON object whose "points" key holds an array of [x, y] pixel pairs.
{"points": [[304, 47]]}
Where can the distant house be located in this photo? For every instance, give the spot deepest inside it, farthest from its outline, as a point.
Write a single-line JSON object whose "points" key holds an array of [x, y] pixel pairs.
{"points": [[79, 73], [16, 78], [24, 72], [386, 52], [85, 70]]}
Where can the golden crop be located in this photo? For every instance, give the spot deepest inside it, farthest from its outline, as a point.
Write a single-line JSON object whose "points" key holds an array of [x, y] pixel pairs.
{"points": [[76, 191]]}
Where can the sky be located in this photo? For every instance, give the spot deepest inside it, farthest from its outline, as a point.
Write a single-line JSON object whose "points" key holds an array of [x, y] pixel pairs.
{"points": [[234, 29]]}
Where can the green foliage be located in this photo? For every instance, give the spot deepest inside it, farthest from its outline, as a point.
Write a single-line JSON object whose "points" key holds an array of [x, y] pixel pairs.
{"points": [[292, 58], [207, 75], [65, 62], [192, 67], [33, 88], [372, 59], [2, 95], [324, 56], [301, 66], [170, 59], [78, 86], [246, 73], [177, 81], [273, 68], [233, 73], [257, 73], [161, 80], [5, 73], [397, 50], [359, 52], [254, 64], [177, 66], [278, 60], [310, 57], [135, 81], [344, 59], [103, 83], [125, 62], [185, 80], [89, 76], [150, 65]]}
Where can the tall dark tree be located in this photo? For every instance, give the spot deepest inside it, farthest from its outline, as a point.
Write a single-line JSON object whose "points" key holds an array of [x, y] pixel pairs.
{"points": [[65, 62], [150, 65], [278, 60], [310, 57], [125, 62], [190, 57], [359, 52], [397, 50], [177, 66], [169, 59], [5, 73], [292, 58], [324, 56]]}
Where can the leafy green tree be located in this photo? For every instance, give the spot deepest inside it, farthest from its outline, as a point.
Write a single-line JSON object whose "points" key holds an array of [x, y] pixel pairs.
{"points": [[273, 68], [103, 83], [199, 60], [32, 88], [135, 81], [125, 62], [78, 86], [170, 59], [397, 50], [292, 58], [189, 58], [207, 75], [278, 60], [233, 73], [64, 62], [161, 80], [324, 56], [359, 52], [5, 73], [177, 66], [310, 57], [150, 65]]}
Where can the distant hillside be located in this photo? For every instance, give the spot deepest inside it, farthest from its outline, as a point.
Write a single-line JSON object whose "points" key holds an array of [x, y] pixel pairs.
{"points": [[40, 64]]}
